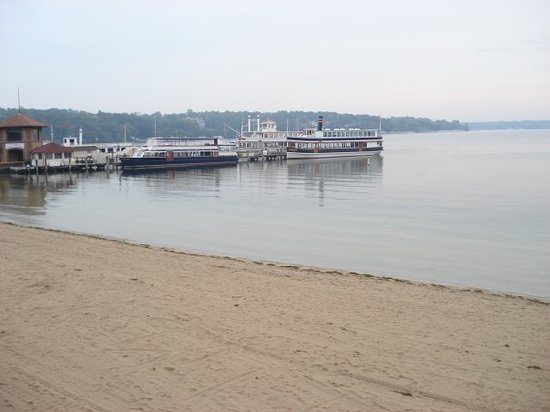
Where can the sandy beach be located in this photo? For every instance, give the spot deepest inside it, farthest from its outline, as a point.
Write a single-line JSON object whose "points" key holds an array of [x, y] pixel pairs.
{"points": [[104, 325]]}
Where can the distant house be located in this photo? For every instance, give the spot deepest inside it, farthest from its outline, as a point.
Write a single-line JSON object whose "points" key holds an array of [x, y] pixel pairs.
{"points": [[199, 121], [19, 136]]}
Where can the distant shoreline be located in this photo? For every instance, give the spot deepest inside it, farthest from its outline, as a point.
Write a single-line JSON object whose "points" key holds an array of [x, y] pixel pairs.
{"points": [[512, 125]]}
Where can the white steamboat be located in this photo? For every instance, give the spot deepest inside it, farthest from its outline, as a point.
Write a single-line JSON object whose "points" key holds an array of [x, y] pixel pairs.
{"points": [[315, 144]]}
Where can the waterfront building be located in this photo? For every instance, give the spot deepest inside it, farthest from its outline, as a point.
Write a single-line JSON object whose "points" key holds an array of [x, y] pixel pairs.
{"points": [[19, 136]]}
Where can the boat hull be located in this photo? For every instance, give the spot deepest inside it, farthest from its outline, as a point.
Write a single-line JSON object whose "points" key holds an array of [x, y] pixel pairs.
{"points": [[145, 163], [324, 155]]}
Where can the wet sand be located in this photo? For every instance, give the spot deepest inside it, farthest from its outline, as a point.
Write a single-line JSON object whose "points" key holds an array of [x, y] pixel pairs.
{"points": [[103, 325]]}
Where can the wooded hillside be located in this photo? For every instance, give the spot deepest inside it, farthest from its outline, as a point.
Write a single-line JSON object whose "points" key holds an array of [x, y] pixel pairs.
{"points": [[110, 127]]}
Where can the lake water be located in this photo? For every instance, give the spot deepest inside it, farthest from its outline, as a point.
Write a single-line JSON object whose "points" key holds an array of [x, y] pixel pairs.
{"points": [[462, 208]]}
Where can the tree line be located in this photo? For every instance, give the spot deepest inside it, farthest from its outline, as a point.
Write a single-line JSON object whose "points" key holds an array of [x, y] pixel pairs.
{"points": [[113, 127]]}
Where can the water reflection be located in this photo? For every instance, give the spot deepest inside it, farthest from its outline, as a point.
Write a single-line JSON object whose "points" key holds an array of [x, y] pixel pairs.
{"points": [[325, 175], [170, 182], [27, 194], [336, 168]]}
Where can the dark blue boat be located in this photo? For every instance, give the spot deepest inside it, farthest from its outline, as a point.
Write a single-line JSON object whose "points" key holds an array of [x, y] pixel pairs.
{"points": [[178, 153]]}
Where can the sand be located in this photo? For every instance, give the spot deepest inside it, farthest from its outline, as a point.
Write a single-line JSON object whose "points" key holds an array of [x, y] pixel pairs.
{"points": [[103, 325]]}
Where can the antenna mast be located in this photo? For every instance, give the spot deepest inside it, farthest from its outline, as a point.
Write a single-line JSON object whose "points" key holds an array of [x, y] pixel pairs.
{"points": [[18, 101]]}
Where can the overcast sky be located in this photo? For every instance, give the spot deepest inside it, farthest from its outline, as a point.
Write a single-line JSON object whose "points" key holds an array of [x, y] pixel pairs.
{"points": [[445, 59]]}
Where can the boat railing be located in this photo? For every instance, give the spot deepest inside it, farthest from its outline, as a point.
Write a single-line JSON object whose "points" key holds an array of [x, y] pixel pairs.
{"points": [[180, 141]]}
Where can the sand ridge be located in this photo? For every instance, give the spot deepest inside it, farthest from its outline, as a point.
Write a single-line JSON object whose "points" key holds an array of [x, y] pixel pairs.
{"points": [[88, 323]]}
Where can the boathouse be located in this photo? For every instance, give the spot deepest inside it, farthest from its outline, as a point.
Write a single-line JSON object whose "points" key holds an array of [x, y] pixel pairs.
{"points": [[19, 136], [51, 155]]}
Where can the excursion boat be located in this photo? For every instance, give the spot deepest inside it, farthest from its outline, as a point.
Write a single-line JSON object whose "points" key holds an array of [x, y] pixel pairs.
{"points": [[262, 140], [315, 144], [161, 153]]}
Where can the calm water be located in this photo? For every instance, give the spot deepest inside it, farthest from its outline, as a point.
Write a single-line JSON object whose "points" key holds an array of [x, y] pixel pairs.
{"points": [[468, 209]]}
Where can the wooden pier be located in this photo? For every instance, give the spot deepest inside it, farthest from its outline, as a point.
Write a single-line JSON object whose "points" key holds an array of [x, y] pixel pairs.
{"points": [[78, 166]]}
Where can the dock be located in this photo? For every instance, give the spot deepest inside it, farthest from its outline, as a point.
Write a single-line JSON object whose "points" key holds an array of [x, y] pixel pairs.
{"points": [[78, 166]]}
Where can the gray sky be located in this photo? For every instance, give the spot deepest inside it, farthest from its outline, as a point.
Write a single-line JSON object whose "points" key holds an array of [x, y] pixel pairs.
{"points": [[465, 60]]}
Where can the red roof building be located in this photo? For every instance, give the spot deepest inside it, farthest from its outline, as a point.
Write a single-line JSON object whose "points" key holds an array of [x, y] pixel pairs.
{"points": [[52, 148], [19, 136], [20, 120]]}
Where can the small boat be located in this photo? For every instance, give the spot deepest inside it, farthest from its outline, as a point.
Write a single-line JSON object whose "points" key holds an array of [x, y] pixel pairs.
{"points": [[160, 153], [315, 144]]}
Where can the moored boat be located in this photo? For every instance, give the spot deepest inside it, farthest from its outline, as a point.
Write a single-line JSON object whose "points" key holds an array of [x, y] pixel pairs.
{"points": [[176, 153], [314, 144], [262, 140]]}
